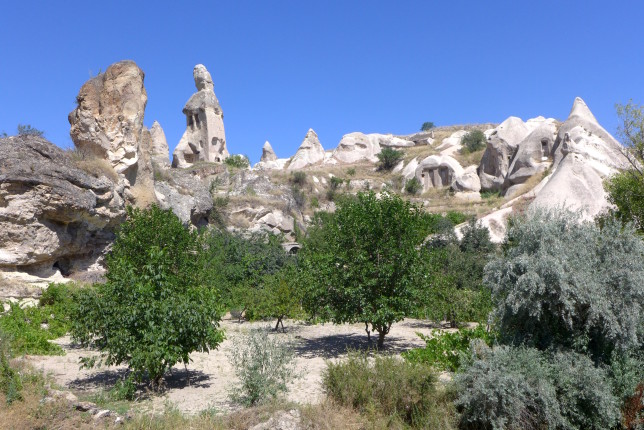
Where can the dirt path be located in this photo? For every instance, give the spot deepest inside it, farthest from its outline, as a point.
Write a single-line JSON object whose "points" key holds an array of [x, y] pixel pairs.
{"points": [[211, 375]]}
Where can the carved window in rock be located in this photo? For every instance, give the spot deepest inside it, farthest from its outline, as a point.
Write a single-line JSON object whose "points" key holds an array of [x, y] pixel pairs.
{"points": [[190, 121], [544, 149], [197, 120]]}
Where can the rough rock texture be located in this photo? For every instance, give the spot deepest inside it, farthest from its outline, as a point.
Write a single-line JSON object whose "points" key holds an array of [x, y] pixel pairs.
{"points": [[451, 144], [355, 147], [267, 153], [468, 180], [204, 138], [533, 155], [53, 216], [584, 155], [409, 171], [438, 171], [108, 120], [310, 152], [159, 151], [501, 147]]}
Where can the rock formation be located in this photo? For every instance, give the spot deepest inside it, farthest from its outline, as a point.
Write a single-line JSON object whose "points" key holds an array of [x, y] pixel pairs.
{"points": [[204, 138], [438, 171], [267, 153], [159, 151], [310, 152], [355, 147], [54, 217], [108, 120]]}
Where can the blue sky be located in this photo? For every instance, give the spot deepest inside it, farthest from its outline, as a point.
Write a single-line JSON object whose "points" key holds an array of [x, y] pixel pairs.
{"points": [[282, 67]]}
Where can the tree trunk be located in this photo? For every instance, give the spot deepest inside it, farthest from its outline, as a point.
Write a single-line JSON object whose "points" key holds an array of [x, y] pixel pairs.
{"points": [[366, 328], [381, 338]]}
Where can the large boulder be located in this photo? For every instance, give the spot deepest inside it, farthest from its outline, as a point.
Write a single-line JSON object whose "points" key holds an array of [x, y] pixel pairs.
{"points": [[355, 147], [438, 171], [467, 181], [108, 119], [204, 138], [501, 147], [310, 152], [54, 217]]}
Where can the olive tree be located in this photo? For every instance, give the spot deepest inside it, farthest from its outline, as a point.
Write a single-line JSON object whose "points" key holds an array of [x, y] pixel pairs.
{"points": [[153, 311], [362, 260]]}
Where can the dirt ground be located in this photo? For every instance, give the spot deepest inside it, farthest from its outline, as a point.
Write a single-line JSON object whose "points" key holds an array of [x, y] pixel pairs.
{"points": [[211, 374]]}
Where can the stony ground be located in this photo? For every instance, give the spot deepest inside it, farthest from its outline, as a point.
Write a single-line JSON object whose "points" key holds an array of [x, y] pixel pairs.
{"points": [[211, 375]]}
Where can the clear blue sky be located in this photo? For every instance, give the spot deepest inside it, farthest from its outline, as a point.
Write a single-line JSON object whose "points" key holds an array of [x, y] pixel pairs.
{"points": [[282, 67]]}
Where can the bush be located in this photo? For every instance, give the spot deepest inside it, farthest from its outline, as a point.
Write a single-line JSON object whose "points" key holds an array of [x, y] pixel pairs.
{"points": [[568, 284], [427, 126], [264, 366], [388, 385], [298, 178], [446, 350], [154, 310], [523, 388], [238, 161], [473, 141], [388, 158], [10, 382], [413, 186], [351, 171], [28, 130]]}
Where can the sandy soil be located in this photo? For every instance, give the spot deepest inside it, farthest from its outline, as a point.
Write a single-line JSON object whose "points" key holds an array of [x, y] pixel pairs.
{"points": [[211, 374]]}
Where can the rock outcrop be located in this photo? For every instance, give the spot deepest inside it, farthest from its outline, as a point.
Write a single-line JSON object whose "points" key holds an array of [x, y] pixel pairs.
{"points": [[159, 150], [310, 152], [267, 153], [54, 217], [204, 138], [108, 120], [356, 147], [438, 171]]}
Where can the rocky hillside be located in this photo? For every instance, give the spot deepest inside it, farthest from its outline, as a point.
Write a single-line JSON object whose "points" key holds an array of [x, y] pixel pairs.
{"points": [[59, 209]]}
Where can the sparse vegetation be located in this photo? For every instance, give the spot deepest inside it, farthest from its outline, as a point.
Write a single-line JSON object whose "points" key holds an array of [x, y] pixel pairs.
{"points": [[238, 161], [413, 186], [388, 158], [428, 125], [93, 164], [473, 141], [28, 130]]}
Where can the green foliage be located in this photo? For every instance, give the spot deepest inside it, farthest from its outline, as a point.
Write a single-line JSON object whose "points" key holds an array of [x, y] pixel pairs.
{"points": [[239, 161], [218, 212], [28, 130], [154, 309], [523, 388], [456, 217], [446, 350], [334, 184], [351, 171], [388, 158], [375, 241], [473, 141], [264, 366], [389, 385], [626, 191], [569, 284], [315, 203], [298, 178], [428, 125], [10, 382], [124, 389], [631, 132], [413, 186]]}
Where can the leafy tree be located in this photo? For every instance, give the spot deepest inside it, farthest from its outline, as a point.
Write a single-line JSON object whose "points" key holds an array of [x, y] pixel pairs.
{"points": [[473, 141], [428, 125], [388, 158], [237, 160], [362, 261], [568, 284], [154, 310], [413, 186], [28, 130]]}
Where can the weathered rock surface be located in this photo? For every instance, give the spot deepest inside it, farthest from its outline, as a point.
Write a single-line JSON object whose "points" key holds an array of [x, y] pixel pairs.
{"points": [[451, 144], [267, 153], [468, 180], [438, 171], [355, 147], [204, 138], [310, 152], [533, 155], [53, 216], [108, 120], [159, 151]]}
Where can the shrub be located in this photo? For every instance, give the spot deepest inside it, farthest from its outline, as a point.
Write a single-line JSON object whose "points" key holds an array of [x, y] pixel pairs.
{"points": [[238, 161], [28, 130], [124, 389], [264, 366], [473, 141], [154, 310], [315, 203], [446, 350], [388, 158], [386, 384], [413, 186], [334, 184], [298, 178], [218, 213], [351, 171], [427, 126], [523, 388], [456, 217], [10, 383]]}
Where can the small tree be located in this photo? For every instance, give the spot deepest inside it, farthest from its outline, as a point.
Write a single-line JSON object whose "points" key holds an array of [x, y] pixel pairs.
{"points": [[362, 261], [473, 141], [154, 310], [388, 158], [413, 186], [427, 126], [28, 130]]}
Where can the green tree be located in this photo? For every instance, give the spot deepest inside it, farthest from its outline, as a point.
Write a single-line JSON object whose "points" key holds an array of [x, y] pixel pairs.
{"points": [[362, 261], [428, 125], [154, 310], [473, 141], [388, 158], [28, 130]]}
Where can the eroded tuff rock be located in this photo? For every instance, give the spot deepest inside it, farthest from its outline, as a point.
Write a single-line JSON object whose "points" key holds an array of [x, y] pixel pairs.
{"points": [[53, 216], [310, 152], [159, 151], [108, 120], [267, 153], [204, 138], [438, 171], [356, 147]]}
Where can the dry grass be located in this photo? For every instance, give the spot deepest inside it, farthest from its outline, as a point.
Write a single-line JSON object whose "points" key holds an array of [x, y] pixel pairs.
{"points": [[144, 195], [470, 158], [92, 164]]}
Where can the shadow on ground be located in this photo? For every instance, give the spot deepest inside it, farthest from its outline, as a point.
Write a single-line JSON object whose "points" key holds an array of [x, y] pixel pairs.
{"points": [[335, 345], [176, 379]]}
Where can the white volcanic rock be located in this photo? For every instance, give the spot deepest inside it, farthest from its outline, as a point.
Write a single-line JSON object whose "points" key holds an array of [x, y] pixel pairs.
{"points": [[584, 155], [204, 138], [354, 147], [108, 120], [501, 147], [409, 171], [533, 154], [438, 171], [310, 152], [533, 123], [267, 152], [453, 141], [159, 151], [468, 180]]}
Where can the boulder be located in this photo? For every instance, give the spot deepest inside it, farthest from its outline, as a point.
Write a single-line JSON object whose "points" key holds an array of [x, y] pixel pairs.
{"points": [[54, 217], [438, 171], [204, 138], [355, 147], [501, 147], [108, 119], [159, 150], [468, 180], [310, 152]]}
